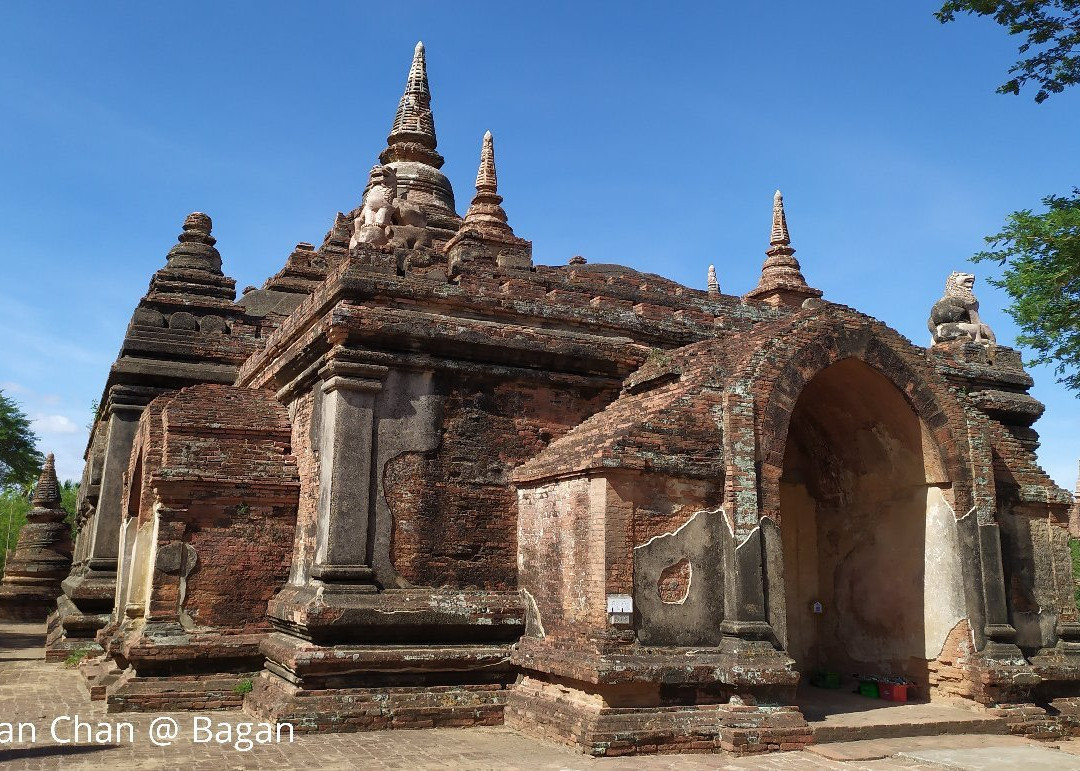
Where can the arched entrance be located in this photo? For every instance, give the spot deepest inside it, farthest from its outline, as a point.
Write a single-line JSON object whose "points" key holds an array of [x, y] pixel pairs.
{"points": [[871, 563]]}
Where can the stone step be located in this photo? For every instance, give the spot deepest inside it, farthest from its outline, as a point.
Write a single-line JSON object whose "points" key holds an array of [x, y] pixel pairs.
{"points": [[879, 749], [916, 720]]}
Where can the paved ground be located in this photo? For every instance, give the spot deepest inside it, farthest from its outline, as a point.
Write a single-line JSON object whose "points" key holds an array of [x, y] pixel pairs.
{"points": [[34, 692]]}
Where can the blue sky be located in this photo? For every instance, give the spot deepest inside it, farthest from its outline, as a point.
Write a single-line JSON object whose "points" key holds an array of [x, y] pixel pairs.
{"points": [[650, 135]]}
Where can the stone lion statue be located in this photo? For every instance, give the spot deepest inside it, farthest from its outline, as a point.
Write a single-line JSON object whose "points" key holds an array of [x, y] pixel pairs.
{"points": [[377, 212], [956, 315], [384, 208]]}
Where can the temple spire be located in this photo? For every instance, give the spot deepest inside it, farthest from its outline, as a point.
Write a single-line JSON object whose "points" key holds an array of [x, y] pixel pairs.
{"points": [[412, 137], [779, 235], [486, 179], [782, 281], [47, 491], [486, 208], [195, 248], [714, 285], [42, 556], [485, 237], [193, 265]]}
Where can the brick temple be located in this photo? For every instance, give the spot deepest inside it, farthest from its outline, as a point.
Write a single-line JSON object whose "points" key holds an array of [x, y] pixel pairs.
{"points": [[418, 480]]}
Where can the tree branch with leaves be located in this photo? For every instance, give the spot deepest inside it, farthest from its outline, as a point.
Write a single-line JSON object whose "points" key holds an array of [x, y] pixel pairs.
{"points": [[1051, 47], [1041, 255], [20, 461]]}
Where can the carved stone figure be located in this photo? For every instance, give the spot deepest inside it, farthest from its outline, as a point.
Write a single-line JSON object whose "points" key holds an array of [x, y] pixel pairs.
{"points": [[377, 213], [956, 315], [408, 213], [383, 209]]}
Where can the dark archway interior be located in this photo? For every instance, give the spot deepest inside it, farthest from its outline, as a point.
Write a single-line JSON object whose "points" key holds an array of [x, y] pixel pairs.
{"points": [[854, 499]]}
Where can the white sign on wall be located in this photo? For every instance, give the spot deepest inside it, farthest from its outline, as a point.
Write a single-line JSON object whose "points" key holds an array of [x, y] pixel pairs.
{"points": [[620, 609]]}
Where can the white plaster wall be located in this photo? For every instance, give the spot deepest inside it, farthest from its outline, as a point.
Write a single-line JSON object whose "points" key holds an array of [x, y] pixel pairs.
{"points": [[943, 580]]}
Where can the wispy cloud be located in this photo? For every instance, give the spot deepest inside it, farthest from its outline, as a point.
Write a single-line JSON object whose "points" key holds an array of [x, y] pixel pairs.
{"points": [[54, 424]]}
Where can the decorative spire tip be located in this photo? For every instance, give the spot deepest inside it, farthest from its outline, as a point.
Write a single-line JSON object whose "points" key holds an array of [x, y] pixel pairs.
{"points": [[714, 285], [47, 491], [412, 136], [779, 234]]}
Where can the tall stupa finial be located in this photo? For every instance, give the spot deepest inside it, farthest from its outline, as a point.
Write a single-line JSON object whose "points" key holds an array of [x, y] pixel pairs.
{"points": [[486, 179], [412, 137], [47, 491], [782, 281], [779, 235], [714, 285], [486, 208]]}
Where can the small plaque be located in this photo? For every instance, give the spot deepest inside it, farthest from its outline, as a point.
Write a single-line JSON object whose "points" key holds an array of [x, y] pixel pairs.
{"points": [[620, 609]]}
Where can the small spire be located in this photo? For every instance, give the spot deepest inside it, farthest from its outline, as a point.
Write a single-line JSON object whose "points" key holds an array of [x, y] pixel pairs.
{"points": [[714, 285], [486, 208], [195, 246], [197, 227], [47, 491], [412, 137], [779, 235], [782, 281], [486, 179]]}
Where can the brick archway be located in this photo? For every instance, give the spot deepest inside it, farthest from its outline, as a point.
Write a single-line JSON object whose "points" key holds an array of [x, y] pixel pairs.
{"points": [[764, 395], [777, 374]]}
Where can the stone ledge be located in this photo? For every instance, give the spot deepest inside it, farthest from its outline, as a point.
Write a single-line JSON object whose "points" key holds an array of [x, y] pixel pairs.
{"points": [[336, 614], [670, 666], [371, 709], [303, 659], [197, 693], [560, 714]]}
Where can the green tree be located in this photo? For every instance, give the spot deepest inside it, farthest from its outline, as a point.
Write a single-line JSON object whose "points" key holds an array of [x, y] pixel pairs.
{"points": [[14, 505], [1050, 53], [1041, 253], [69, 497], [19, 461]]}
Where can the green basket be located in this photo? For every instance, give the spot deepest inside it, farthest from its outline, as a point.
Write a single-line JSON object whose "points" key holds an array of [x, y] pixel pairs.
{"points": [[868, 688], [825, 679]]}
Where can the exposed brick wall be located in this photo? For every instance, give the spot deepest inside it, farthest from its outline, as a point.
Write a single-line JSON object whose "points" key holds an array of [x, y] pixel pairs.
{"points": [[197, 693], [228, 490], [145, 461], [1031, 720], [949, 675], [558, 713], [671, 427], [307, 464], [1037, 567], [243, 561], [373, 709], [562, 559], [674, 582], [455, 511], [640, 506]]}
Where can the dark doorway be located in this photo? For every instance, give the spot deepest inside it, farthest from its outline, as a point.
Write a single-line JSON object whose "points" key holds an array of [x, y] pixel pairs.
{"points": [[861, 482]]}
